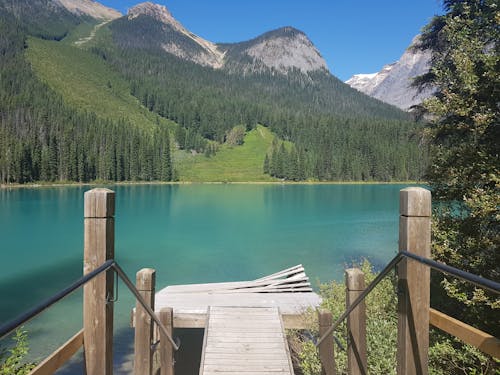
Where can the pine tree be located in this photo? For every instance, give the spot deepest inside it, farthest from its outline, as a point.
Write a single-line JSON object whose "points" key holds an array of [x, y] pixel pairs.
{"points": [[465, 169]]}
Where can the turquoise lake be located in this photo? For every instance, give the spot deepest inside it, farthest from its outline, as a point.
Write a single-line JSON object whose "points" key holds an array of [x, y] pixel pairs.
{"points": [[189, 234]]}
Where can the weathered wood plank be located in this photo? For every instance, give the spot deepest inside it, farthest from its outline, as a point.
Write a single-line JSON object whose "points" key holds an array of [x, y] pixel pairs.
{"points": [[99, 243], [143, 355], [414, 282], [356, 323], [289, 271], [50, 364], [470, 335], [166, 349], [326, 350], [235, 343]]}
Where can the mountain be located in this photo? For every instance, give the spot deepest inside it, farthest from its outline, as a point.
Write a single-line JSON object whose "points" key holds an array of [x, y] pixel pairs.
{"points": [[143, 98], [171, 36], [282, 50], [393, 83], [90, 8]]}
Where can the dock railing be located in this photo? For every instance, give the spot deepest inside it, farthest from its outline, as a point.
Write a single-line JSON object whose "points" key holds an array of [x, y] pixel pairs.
{"points": [[96, 337], [413, 266]]}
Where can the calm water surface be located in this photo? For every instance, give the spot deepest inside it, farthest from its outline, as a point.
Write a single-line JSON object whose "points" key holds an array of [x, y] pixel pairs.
{"points": [[189, 234]]}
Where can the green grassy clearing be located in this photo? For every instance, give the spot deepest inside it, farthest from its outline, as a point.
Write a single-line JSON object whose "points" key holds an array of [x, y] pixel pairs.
{"points": [[230, 164], [86, 82]]}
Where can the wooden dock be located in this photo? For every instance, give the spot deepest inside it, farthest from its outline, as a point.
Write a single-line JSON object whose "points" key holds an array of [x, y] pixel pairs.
{"points": [[249, 340], [288, 290]]}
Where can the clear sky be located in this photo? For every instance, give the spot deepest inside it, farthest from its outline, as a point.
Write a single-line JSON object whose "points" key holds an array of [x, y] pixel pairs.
{"points": [[353, 36]]}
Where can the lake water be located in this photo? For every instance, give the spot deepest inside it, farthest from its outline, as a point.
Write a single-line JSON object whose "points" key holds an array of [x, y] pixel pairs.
{"points": [[189, 234]]}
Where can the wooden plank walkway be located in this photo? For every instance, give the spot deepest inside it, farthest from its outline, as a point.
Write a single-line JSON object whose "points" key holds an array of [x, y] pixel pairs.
{"points": [[245, 340]]}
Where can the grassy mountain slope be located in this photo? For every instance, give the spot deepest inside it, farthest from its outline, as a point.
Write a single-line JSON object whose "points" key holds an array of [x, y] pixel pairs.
{"points": [[231, 163], [86, 82]]}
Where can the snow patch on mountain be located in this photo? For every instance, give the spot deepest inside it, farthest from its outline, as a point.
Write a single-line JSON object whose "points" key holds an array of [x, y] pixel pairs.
{"points": [[393, 83]]}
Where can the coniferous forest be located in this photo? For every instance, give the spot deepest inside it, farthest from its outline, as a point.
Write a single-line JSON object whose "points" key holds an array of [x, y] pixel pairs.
{"points": [[43, 139], [324, 130]]}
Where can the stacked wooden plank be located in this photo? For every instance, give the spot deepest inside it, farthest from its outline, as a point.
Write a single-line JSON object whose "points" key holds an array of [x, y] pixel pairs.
{"points": [[289, 290], [291, 280], [245, 340]]}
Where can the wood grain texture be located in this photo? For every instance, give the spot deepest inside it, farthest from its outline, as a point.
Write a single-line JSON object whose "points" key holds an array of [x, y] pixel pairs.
{"points": [[245, 341], [286, 290], [99, 245], [356, 323], [50, 364], [166, 349], [326, 350], [415, 201], [414, 283], [470, 335], [143, 355]]}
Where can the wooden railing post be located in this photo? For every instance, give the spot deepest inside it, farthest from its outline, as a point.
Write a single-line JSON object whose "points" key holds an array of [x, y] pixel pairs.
{"points": [[143, 353], [326, 350], [356, 323], [414, 282], [99, 246], [166, 349]]}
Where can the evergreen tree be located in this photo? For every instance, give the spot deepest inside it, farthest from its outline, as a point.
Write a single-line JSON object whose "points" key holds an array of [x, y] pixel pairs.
{"points": [[465, 170]]}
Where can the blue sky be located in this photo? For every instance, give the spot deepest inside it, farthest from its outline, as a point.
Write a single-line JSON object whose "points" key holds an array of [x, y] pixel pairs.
{"points": [[353, 36]]}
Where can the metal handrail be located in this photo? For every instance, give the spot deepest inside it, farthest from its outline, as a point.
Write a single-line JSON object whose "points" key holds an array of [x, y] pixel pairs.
{"points": [[464, 275], [7, 328]]}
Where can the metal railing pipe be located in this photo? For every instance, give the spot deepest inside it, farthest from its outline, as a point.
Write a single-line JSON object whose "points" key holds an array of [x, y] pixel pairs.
{"points": [[362, 296], [110, 264], [143, 303], [30, 314], [482, 282], [490, 285]]}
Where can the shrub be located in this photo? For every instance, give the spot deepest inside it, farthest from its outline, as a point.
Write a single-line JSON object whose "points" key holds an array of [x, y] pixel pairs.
{"points": [[447, 355], [11, 360]]}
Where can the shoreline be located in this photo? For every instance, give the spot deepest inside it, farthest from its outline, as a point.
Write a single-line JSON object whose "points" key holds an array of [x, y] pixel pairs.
{"points": [[41, 185]]}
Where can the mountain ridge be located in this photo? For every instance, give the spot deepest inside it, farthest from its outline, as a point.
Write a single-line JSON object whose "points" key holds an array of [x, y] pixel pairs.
{"points": [[392, 84], [90, 8], [280, 49]]}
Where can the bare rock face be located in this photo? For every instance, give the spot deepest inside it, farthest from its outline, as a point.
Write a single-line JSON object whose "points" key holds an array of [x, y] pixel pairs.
{"points": [[90, 8], [284, 49], [208, 54], [393, 83]]}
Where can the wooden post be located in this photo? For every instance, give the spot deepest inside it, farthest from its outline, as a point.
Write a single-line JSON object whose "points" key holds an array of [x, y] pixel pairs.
{"points": [[143, 353], [166, 349], [356, 323], [414, 282], [326, 351], [99, 246]]}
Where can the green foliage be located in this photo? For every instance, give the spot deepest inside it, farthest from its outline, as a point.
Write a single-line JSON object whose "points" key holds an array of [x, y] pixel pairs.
{"points": [[11, 360], [448, 355], [309, 360], [87, 83], [236, 136], [339, 134], [381, 327], [42, 137], [464, 173]]}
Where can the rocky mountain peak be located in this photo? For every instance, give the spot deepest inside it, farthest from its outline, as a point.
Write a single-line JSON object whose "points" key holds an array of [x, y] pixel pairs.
{"points": [[156, 11], [209, 55], [90, 8], [282, 49], [393, 83]]}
